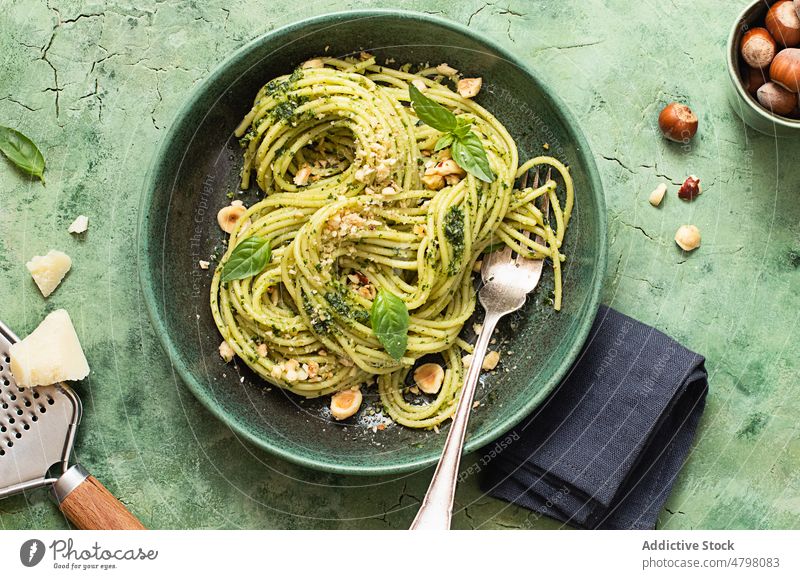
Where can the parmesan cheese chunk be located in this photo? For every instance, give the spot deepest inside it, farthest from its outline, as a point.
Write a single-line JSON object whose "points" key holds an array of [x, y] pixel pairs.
{"points": [[80, 225], [48, 270], [50, 354]]}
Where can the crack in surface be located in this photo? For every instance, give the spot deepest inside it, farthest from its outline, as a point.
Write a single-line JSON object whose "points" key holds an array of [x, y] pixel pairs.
{"points": [[478, 11], [620, 163], [10, 98], [647, 235]]}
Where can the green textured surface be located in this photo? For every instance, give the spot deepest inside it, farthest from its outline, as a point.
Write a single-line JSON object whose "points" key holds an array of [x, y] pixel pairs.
{"points": [[95, 85]]}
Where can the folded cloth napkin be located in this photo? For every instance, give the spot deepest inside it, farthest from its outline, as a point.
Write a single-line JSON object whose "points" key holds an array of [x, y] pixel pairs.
{"points": [[604, 449]]}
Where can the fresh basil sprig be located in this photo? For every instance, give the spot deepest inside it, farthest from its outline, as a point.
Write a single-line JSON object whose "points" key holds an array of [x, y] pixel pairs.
{"points": [[249, 258], [21, 151], [465, 145], [389, 318]]}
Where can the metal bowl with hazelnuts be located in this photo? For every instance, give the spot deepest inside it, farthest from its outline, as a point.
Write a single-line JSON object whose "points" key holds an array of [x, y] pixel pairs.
{"points": [[764, 66]]}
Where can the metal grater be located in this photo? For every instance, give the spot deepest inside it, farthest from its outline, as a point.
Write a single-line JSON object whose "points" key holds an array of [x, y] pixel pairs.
{"points": [[37, 428], [37, 431]]}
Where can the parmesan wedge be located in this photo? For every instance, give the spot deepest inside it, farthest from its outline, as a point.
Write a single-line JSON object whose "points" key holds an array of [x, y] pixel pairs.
{"points": [[50, 354], [48, 270]]}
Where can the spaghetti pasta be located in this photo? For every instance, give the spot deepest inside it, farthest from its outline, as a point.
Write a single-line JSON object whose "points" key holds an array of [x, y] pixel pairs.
{"points": [[342, 160]]}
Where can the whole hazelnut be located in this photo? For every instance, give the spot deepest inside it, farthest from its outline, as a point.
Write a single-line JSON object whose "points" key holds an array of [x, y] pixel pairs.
{"points": [[783, 23], [753, 78], [677, 122], [785, 69], [777, 99], [688, 237], [758, 47]]}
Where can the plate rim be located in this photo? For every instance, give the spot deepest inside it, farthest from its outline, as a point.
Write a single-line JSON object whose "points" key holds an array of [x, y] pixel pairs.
{"points": [[147, 284]]}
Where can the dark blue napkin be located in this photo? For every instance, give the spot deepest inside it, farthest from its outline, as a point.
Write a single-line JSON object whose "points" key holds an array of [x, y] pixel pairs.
{"points": [[604, 449]]}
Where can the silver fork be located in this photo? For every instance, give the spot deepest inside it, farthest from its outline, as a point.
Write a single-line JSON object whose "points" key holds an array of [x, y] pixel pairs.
{"points": [[507, 281]]}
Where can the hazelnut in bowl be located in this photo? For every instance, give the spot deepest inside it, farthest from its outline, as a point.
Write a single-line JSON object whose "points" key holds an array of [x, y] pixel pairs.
{"points": [[764, 67]]}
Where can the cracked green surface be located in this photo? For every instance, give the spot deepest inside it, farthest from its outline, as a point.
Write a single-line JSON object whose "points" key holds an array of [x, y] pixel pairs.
{"points": [[95, 84]]}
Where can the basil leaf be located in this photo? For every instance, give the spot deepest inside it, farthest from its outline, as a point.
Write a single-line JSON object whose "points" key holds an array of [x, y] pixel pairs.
{"points": [[468, 152], [21, 151], [444, 141], [249, 258], [430, 112], [389, 317], [462, 129]]}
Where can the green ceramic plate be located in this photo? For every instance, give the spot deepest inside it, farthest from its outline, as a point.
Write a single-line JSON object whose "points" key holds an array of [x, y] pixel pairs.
{"points": [[198, 163]]}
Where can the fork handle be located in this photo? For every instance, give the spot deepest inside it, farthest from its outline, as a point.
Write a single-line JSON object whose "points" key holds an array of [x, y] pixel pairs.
{"points": [[437, 506]]}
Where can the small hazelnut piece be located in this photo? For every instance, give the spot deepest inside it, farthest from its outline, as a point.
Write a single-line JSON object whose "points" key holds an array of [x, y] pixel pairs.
{"points": [[491, 360], [777, 99], [758, 47], [345, 403], [433, 182], [446, 70], [469, 87], [226, 352], [446, 167], [754, 78], [690, 189], [429, 378], [783, 23], [658, 195], [229, 216], [785, 69], [688, 237], [677, 122], [302, 175]]}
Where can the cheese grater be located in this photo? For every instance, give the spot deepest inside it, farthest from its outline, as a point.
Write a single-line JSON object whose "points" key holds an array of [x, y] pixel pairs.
{"points": [[37, 431]]}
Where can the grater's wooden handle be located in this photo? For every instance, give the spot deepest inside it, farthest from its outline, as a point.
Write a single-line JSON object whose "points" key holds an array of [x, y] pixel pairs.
{"points": [[89, 505]]}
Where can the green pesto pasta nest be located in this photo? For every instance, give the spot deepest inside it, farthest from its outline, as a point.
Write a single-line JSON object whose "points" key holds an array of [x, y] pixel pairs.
{"points": [[340, 157]]}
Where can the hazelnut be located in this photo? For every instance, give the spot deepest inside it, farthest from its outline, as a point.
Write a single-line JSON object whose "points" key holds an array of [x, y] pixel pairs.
{"points": [[777, 99], [758, 47], [785, 69], [688, 237], [677, 122], [433, 182], [446, 70], [690, 189], [229, 216], [302, 175], [446, 167], [469, 87], [429, 378], [658, 195], [753, 78], [491, 360], [345, 403], [783, 23], [226, 352]]}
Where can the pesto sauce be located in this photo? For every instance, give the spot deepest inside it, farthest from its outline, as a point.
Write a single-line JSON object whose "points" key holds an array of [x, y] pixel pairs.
{"points": [[454, 232], [342, 304]]}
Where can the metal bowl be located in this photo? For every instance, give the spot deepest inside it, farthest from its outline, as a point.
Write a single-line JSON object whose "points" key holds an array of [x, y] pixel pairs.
{"points": [[745, 104]]}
